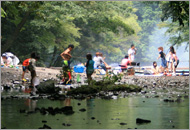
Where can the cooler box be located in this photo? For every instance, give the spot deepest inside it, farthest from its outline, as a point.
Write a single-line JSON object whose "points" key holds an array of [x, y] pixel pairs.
{"points": [[79, 69]]}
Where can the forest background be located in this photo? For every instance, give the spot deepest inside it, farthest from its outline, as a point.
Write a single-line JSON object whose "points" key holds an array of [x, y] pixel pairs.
{"points": [[48, 27]]}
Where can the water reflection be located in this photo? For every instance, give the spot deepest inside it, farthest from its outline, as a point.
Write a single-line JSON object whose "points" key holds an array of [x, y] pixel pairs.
{"points": [[108, 113]]}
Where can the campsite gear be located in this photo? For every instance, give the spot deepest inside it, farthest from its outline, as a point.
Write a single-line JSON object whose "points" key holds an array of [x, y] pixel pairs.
{"points": [[78, 78], [79, 68]]}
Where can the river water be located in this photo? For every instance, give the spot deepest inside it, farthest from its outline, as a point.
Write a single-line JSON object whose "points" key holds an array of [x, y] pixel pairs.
{"points": [[108, 114]]}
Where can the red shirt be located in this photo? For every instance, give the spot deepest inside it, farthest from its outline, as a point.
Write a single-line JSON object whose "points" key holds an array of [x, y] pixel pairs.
{"points": [[124, 62], [26, 62]]}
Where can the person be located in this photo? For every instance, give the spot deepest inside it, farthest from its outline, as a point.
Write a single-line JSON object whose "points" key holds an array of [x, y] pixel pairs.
{"points": [[25, 65], [66, 55], [124, 63], [175, 61], [155, 68], [163, 60], [11, 58], [6, 60], [99, 62], [32, 66], [89, 67], [169, 58], [132, 53], [107, 66]]}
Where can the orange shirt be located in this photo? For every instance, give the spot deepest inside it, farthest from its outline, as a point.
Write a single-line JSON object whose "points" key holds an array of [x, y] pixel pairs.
{"points": [[26, 62]]}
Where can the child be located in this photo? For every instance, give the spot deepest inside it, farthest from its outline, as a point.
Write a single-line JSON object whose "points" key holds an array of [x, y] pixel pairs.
{"points": [[124, 63], [6, 60], [89, 67], [155, 68], [32, 66], [25, 65], [175, 61], [163, 60], [66, 64]]}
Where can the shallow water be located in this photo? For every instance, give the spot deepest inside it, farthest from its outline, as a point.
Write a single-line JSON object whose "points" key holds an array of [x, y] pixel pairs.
{"points": [[108, 114]]}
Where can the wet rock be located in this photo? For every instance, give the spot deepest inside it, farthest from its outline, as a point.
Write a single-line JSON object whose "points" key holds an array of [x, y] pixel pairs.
{"points": [[31, 112], [82, 110], [186, 96], [168, 100], [46, 127], [93, 118], [123, 123], [67, 110], [44, 121], [22, 110], [68, 124], [140, 121], [143, 92]]}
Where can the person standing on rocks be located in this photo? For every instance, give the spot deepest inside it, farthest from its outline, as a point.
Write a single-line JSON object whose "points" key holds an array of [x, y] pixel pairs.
{"points": [[175, 61], [32, 66], [163, 59], [66, 55], [89, 67], [132, 53], [25, 65]]}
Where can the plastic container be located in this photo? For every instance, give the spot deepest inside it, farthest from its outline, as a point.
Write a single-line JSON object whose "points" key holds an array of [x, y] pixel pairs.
{"points": [[79, 69]]}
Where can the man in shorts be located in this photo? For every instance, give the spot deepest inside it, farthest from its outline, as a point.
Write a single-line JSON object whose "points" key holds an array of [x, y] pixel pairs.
{"points": [[66, 64]]}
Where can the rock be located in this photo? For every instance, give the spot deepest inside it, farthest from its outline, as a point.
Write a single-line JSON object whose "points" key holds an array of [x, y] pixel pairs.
{"points": [[186, 96], [22, 110], [63, 124], [82, 110], [123, 123], [3, 128], [79, 104], [93, 118], [68, 124], [43, 121], [31, 112], [46, 127], [140, 121]]}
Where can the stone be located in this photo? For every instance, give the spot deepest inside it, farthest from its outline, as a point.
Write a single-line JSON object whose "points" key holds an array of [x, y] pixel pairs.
{"points": [[140, 121], [44, 121], [123, 123], [78, 104], [82, 110], [93, 118], [46, 127]]}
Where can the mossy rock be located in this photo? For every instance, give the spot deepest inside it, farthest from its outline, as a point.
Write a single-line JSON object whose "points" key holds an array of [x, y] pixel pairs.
{"points": [[48, 87], [85, 89]]}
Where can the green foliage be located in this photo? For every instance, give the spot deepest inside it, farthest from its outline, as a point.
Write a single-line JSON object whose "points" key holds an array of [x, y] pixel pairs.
{"points": [[48, 27], [3, 13]]}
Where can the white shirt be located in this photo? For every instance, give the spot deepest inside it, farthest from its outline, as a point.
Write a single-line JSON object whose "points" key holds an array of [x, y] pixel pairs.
{"points": [[132, 53], [97, 61]]}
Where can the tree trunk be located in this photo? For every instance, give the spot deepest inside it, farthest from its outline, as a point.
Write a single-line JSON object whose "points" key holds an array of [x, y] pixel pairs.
{"points": [[53, 57], [14, 36]]}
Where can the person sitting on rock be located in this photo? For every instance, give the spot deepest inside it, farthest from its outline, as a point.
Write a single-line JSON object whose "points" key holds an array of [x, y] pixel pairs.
{"points": [[155, 68], [124, 63], [66, 64]]}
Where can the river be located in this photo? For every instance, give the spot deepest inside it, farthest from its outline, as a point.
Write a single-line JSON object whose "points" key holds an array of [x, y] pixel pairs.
{"points": [[108, 114]]}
